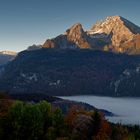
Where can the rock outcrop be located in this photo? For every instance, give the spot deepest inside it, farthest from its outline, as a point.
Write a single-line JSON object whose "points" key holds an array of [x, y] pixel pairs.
{"points": [[114, 34], [75, 37]]}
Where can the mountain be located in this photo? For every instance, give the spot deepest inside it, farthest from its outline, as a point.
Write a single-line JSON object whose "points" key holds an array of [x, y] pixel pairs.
{"points": [[78, 62], [72, 72], [115, 34], [75, 37], [34, 47], [6, 56]]}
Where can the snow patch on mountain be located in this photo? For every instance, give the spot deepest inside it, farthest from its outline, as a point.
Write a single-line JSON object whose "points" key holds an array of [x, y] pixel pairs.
{"points": [[8, 53]]}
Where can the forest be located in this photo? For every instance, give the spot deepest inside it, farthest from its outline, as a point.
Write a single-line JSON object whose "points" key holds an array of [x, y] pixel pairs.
{"points": [[20, 120]]}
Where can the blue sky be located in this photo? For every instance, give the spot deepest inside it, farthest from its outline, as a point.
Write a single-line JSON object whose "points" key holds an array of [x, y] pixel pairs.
{"points": [[27, 22]]}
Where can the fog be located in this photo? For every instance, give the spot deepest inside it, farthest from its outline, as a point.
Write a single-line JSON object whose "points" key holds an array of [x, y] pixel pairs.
{"points": [[126, 109]]}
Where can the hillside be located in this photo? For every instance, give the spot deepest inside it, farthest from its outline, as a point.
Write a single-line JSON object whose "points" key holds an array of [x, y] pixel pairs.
{"points": [[41, 120], [72, 72]]}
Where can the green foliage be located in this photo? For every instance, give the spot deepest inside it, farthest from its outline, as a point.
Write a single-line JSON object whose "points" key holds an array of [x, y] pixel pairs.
{"points": [[27, 121], [32, 122], [119, 132], [58, 127], [57, 118], [51, 135], [38, 121]]}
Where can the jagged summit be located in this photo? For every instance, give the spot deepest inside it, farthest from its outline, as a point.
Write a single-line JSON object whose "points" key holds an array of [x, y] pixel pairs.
{"points": [[77, 25], [104, 26], [75, 30], [116, 26], [115, 33], [74, 37], [78, 36], [112, 23]]}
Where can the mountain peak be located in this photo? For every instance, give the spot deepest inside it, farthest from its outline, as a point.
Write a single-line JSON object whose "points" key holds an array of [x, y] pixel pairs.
{"points": [[106, 25], [74, 37], [120, 29], [114, 33], [77, 25], [114, 17], [76, 28], [112, 23], [78, 36]]}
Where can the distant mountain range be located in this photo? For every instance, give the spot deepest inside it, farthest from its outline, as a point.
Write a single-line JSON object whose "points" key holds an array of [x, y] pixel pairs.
{"points": [[6, 56], [104, 60]]}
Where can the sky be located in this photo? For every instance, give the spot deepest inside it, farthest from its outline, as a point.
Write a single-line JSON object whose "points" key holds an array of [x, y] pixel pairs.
{"points": [[27, 22]]}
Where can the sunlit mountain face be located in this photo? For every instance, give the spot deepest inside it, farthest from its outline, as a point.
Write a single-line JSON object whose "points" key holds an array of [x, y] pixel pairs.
{"points": [[114, 34]]}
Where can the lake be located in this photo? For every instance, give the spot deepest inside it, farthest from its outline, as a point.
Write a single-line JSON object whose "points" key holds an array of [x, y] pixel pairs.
{"points": [[126, 109]]}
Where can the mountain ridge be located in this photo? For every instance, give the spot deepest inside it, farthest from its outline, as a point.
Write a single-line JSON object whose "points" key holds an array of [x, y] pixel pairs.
{"points": [[111, 34], [78, 63], [72, 72]]}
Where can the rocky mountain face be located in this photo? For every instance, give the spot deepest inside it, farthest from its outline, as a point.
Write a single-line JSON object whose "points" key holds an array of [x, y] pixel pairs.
{"points": [[6, 56], [114, 34], [75, 37]]}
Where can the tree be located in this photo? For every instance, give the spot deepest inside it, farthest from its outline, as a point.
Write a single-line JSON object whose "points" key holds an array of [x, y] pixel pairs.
{"points": [[119, 132], [96, 122], [5, 104], [100, 127], [27, 121]]}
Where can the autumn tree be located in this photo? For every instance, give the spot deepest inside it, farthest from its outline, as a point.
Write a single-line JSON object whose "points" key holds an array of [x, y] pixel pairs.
{"points": [[100, 127], [5, 104]]}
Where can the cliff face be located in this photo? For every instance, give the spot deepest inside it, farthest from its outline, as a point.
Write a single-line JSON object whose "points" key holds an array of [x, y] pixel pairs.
{"points": [[75, 37], [110, 34], [114, 26], [121, 31], [132, 46]]}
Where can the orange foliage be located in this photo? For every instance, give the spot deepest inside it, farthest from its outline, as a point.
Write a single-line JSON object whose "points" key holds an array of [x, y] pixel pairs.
{"points": [[72, 114], [104, 130], [5, 104]]}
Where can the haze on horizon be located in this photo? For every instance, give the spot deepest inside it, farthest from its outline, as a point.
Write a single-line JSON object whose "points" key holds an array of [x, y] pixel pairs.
{"points": [[27, 22]]}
